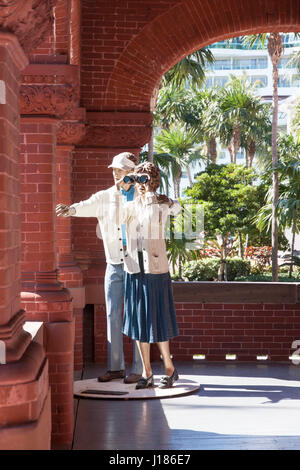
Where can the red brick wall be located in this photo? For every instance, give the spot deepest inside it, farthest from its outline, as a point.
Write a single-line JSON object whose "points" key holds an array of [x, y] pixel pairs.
{"points": [[58, 41], [215, 330], [247, 330], [38, 180], [107, 28], [90, 174]]}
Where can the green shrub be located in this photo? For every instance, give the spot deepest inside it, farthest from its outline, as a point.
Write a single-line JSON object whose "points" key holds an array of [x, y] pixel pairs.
{"points": [[237, 267], [175, 276], [283, 277], [258, 269], [201, 270], [207, 269]]}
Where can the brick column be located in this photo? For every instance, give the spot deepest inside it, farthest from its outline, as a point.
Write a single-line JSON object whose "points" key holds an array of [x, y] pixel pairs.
{"points": [[43, 297], [69, 274], [25, 421]]}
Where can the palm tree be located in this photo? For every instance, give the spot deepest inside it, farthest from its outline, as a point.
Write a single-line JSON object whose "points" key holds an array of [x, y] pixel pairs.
{"points": [[238, 115], [275, 49], [189, 71], [201, 113], [289, 197], [295, 60], [179, 141], [288, 206], [296, 122], [256, 135], [172, 105]]}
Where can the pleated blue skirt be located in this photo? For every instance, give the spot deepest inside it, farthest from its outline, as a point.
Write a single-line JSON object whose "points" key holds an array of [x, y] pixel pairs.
{"points": [[149, 312]]}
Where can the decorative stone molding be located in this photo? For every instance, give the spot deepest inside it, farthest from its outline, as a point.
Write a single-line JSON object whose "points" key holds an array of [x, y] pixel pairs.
{"points": [[50, 89], [117, 129], [55, 100], [29, 20], [69, 132]]}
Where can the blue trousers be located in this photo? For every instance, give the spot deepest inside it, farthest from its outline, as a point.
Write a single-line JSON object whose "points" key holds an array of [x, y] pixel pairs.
{"points": [[114, 295]]}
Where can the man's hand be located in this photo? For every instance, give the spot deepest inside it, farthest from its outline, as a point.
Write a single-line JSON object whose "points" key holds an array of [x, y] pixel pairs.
{"points": [[62, 210], [118, 183]]}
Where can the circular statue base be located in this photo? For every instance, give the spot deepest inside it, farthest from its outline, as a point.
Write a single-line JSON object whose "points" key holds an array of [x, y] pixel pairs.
{"points": [[118, 390]]}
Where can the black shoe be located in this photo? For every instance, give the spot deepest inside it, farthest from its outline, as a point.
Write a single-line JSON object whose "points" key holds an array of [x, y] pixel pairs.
{"points": [[111, 375], [145, 383], [132, 378], [167, 382]]}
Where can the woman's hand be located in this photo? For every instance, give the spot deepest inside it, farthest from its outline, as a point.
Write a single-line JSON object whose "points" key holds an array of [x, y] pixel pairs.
{"points": [[163, 199]]}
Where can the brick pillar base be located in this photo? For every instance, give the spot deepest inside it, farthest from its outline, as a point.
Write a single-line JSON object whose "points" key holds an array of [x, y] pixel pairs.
{"points": [[25, 419]]}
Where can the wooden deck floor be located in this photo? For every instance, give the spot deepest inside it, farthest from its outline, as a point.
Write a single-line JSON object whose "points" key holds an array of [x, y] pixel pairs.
{"points": [[238, 407]]}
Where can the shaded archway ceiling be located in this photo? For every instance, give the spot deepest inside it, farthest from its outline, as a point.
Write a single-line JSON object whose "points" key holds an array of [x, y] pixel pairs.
{"points": [[180, 30]]}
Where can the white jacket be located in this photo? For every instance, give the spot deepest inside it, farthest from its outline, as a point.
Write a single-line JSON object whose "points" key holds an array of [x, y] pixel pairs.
{"points": [[145, 223], [107, 206]]}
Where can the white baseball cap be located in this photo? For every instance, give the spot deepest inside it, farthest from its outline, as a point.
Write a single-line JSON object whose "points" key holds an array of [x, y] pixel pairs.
{"points": [[122, 162]]}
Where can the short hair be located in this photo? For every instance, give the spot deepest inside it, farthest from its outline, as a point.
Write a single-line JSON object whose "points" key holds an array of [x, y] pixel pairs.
{"points": [[151, 170]]}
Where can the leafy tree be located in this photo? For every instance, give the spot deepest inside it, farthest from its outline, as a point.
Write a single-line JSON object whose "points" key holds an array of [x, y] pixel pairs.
{"points": [[230, 201]]}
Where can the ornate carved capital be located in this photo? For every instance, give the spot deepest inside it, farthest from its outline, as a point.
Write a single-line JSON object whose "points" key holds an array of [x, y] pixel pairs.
{"points": [[29, 20], [50, 89], [117, 129], [71, 131]]}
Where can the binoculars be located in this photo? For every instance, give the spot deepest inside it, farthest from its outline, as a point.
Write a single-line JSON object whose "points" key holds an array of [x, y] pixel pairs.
{"points": [[142, 179]]}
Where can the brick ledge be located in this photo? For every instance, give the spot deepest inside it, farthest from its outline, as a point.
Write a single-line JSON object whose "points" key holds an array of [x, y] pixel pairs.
{"points": [[236, 292]]}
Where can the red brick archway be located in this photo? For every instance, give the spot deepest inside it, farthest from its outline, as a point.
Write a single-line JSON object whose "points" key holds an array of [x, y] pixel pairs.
{"points": [[179, 31]]}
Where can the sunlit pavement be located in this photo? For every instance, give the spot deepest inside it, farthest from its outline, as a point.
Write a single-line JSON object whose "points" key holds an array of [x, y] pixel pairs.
{"points": [[239, 406]]}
